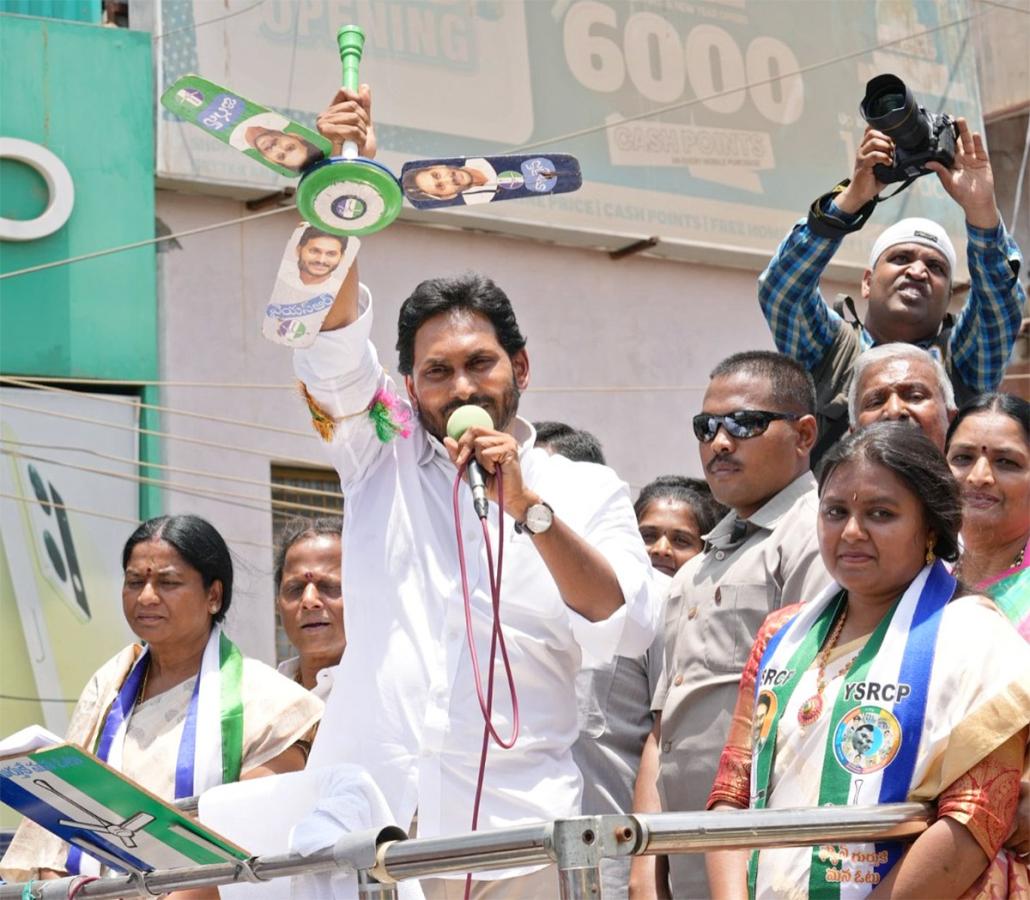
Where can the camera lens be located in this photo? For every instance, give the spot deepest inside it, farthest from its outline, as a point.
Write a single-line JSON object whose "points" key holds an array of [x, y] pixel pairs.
{"points": [[38, 488], [889, 106], [55, 555]]}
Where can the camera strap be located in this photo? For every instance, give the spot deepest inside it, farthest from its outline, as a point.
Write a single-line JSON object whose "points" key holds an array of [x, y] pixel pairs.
{"points": [[906, 183], [826, 225]]}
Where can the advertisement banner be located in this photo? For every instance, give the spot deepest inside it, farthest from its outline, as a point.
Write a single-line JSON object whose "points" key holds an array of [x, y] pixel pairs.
{"points": [[60, 565], [711, 123]]}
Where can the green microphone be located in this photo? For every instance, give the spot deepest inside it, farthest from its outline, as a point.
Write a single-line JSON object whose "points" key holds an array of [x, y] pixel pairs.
{"points": [[460, 421]]}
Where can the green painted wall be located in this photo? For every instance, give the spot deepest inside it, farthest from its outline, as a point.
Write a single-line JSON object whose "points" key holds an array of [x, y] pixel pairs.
{"points": [[79, 10], [86, 93]]}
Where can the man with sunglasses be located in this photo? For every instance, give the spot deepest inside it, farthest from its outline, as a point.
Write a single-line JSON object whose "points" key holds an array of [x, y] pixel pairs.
{"points": [[756, 430]]}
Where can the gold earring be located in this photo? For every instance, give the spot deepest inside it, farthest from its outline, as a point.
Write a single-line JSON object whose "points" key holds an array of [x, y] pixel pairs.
{"points": [[930, 555]]}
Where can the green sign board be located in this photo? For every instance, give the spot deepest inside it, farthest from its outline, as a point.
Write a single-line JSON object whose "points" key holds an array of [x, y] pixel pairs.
{"points": [[76, 111]]}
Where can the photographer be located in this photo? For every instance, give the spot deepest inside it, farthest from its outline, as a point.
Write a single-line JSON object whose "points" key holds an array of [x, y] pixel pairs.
{"points": [[907, 284]]}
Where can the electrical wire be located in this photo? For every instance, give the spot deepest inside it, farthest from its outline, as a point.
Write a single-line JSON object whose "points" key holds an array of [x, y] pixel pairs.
{"points": [[175, 487], [236, 448], [181, 470], [196, 25], [156, 382], [43, 381], [114, 518], [170, 410], [568, 136], [135, 245]]}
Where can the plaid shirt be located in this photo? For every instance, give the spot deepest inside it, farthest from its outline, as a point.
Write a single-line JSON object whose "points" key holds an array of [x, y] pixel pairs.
{"points": [[804, 326]]}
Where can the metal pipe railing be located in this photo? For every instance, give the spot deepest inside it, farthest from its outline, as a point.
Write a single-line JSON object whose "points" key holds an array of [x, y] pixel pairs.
{"points": [[756, 829], [576, 845]]}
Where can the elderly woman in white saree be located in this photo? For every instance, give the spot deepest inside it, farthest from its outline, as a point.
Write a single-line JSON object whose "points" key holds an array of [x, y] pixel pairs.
{"points": [[894, 685], [187, 711]]}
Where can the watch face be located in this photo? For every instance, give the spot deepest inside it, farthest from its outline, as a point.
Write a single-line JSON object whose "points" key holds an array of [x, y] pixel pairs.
{"points": [[538, 518]]}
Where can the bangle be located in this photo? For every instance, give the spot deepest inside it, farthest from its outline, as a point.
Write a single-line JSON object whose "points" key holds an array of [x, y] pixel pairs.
{"points": [[827, 225]]}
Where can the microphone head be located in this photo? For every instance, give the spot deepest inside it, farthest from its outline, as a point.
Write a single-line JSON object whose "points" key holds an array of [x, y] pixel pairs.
{"points": [[464, 417]]}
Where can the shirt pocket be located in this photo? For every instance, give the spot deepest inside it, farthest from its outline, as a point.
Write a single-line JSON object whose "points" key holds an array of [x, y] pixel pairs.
{"points": [[593, 687], [734, 617]]}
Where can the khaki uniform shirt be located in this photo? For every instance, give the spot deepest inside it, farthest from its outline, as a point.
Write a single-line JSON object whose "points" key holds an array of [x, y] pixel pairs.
{"points": [[716, 604]]}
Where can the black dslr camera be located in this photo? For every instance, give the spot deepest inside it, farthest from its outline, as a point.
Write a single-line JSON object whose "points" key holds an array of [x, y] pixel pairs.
{"points": [[919, 136]]}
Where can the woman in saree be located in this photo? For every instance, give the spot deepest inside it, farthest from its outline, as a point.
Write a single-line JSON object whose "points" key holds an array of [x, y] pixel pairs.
{"points": [[988, 449], [893, 685], [186, 712]]}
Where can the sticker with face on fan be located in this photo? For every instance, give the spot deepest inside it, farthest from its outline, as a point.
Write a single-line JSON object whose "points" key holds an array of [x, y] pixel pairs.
{"points": [[268, 137], [311, 273], [473, 180]]}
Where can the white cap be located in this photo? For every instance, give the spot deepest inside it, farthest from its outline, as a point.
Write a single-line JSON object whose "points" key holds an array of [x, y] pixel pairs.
{"points": [[915, 231]]}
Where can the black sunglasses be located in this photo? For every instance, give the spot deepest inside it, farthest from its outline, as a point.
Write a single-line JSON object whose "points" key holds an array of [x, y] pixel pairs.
{"points": [[742, 424]]}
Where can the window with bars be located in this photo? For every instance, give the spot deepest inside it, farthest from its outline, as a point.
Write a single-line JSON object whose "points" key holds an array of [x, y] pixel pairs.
{"points": [[298, 491]]}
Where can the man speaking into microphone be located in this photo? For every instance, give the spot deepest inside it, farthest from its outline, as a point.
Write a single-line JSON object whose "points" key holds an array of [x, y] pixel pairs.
{"points": [[576, 580]]}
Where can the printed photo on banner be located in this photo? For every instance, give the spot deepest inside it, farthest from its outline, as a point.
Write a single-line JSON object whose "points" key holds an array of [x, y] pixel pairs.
{"points": [[313, 268], [765, 714]]}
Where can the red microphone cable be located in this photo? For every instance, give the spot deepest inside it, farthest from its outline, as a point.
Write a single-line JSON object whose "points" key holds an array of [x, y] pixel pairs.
{"points": [[496, 640]]}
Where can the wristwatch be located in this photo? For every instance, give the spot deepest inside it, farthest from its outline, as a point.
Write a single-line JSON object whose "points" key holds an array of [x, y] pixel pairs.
{"points": [[538, 519]]}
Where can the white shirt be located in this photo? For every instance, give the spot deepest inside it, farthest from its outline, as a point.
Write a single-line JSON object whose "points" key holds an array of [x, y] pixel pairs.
{"points": [[407, 709], [323, 677]]}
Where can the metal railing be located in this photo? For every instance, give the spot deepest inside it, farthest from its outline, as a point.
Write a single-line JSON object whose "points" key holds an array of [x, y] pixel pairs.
{"points": [[384, 856]]}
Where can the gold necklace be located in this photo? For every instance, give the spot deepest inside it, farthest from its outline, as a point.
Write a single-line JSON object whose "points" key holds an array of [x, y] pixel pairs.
{"points": [[812, 708], [142, 687]]}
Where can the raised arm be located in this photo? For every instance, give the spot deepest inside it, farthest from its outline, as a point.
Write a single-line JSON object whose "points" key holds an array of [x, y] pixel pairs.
{"points": [[989, 322], [802, 324], [340, 373]]}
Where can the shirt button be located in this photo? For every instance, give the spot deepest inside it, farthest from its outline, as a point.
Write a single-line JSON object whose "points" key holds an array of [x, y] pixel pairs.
{"points": [[718, 596], [720, 555], [678, 680], [692, 613], [667, 747]]}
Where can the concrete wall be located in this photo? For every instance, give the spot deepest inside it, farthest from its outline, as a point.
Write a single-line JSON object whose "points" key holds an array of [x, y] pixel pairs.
{"points": [[620, 348]]}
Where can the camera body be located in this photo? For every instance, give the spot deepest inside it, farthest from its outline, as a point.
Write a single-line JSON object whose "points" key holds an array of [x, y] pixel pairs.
{"points": [[919, 136]]}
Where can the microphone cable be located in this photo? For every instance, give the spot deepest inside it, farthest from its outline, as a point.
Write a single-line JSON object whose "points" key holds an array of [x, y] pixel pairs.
{"points": [[496, 640]]}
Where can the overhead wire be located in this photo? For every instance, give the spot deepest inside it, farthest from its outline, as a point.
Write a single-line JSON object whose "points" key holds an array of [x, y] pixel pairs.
{"points": [[568, 136], [182, 470], [196, 25], [78, 510], [169, 410], [147, 241], [233, 499], [217, 445]]}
